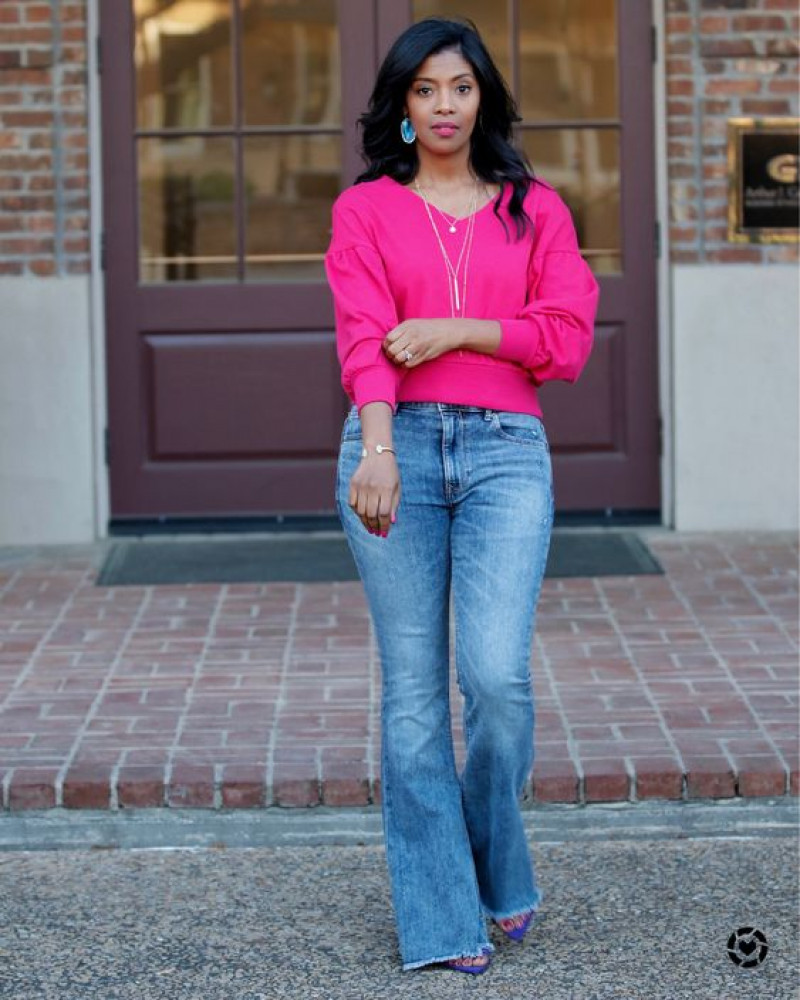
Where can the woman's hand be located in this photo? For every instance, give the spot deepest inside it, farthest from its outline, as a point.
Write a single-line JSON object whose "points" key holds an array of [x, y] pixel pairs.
{"points": [[375, 491], [424, 338]]}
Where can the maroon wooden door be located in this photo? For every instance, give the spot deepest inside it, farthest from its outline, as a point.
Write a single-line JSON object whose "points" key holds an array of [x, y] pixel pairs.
{"points": [[582, 75], [223, 150], [228, 129]]}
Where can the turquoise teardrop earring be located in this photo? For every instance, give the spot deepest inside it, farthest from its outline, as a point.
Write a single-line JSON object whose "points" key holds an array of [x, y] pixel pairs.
{"points": [[407, 131]]}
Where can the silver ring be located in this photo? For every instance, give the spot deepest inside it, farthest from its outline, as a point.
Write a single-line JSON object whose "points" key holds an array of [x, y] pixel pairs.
{"points": [[409, 355]]}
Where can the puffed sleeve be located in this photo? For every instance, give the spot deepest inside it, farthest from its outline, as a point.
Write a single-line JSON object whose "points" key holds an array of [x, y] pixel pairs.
{"points": [[364, 308], [552, 335]]}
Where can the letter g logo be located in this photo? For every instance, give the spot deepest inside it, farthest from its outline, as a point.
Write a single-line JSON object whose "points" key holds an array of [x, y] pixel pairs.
{"points": [[784, 168]]}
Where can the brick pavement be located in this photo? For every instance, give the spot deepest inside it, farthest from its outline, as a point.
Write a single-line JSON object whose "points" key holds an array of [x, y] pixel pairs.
{"points": [[235, 696]]}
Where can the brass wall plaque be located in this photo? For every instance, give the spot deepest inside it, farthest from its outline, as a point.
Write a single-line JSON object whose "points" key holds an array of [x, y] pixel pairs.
{"points": [[763, 166]]}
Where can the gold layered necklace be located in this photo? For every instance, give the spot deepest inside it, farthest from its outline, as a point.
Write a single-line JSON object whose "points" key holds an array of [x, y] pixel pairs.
{"points": [[458, 302]]}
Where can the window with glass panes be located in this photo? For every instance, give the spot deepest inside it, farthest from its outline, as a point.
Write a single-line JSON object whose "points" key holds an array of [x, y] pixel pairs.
{"points": [[238, 138], [559, 58]]}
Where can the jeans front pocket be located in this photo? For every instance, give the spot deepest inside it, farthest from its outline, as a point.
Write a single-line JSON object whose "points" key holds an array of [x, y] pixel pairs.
{"points": [[521, 428], [351, 429]]}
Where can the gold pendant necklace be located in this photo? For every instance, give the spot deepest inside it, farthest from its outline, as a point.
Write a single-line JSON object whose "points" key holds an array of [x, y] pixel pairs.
{"points": [[460, 301], [449, 220]]}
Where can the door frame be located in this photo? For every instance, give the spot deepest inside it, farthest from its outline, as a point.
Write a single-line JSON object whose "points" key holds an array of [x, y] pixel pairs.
{"points": [[666, 366], [101, 485], [99, 381]]}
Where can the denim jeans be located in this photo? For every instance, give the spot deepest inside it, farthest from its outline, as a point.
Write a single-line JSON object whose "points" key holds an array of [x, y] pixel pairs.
{"points": [[473, 526]]}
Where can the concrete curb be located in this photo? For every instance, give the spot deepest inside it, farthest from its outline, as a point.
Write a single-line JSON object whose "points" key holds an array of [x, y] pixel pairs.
{"points": [[63, 829]]}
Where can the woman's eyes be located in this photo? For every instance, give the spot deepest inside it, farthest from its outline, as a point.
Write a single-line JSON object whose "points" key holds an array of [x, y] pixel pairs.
{"points": [[461, 86]]}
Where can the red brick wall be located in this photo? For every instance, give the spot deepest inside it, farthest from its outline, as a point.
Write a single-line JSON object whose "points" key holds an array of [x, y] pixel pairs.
{"points": [[725, 58], [44, 164]]}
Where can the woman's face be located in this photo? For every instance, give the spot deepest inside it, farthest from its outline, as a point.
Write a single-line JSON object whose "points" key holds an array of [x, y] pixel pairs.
{"points": [[443, 102]]}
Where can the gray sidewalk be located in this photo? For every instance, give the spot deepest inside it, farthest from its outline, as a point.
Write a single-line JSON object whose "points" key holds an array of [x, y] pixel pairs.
{"points": [[630, 911]]}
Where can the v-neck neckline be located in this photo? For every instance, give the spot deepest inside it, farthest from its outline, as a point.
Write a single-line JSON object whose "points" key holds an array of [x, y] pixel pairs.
{"points": [[455, 218]]}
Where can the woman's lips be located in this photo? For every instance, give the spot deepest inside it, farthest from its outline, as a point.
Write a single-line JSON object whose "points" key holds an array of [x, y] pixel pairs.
{"points": [[445, 129]]}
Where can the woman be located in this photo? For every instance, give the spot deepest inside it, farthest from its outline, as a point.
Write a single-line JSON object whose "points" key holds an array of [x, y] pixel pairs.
{"points": [[458, 289]]}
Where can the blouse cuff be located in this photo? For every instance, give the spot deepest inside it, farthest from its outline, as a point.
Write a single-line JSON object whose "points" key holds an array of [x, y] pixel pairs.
{"points": [[374, 384], [519, 341]]}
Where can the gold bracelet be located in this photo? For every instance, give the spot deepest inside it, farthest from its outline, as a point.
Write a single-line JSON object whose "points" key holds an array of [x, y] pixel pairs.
{"points": [[378, 448]]}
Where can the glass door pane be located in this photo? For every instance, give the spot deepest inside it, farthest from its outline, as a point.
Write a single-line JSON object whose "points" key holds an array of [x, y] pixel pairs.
{"points": [[291, 181], [290, 59], [182, 54], [239, 138], [568, 72], [491, 20], [583, 165], [187, 228], [567, 59], [292, 115]]}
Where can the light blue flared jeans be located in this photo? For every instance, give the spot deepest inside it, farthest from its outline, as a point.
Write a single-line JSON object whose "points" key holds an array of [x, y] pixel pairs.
{"points": [[474, 523]]}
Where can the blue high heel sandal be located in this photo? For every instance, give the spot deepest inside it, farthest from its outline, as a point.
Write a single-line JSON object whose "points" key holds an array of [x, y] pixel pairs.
{"points": [[518, 933], [476, 970]]}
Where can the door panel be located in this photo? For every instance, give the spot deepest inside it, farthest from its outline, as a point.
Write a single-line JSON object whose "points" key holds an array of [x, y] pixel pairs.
{"points": [[223, 379], [601, 428]]}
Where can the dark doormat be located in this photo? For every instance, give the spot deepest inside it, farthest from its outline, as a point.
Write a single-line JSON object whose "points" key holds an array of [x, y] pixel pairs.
{"points": [[301, 560]]}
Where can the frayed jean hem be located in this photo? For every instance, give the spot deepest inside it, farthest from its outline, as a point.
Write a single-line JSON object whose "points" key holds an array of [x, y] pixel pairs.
{"points": [[508, 914], [487, 949]]}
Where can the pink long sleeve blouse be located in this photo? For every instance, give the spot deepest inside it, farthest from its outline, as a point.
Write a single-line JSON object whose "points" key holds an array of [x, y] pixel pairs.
{"points": [[384, 265]]}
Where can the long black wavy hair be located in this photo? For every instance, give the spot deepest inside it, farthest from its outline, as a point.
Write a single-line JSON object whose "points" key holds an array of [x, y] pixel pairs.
{"points": [[493, 157]]}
